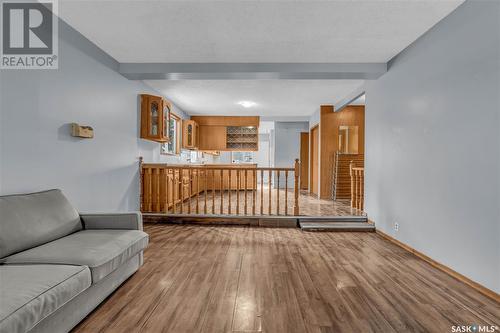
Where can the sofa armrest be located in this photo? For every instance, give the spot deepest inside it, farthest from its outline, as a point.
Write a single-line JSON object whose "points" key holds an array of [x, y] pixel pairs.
{"points": [[132, 221]]}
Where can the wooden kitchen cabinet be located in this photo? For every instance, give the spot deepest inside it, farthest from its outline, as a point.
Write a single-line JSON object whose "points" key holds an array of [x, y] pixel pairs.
{"points": [[228, 133], [212, 137], [155, 117], [190, 137], [233, 184]]}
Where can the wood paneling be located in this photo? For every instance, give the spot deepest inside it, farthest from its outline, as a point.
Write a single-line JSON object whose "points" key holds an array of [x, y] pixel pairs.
{"points": [[212, 137], [246, 279], [226, 120], [304, 160], [329, 138], [314, 172]]}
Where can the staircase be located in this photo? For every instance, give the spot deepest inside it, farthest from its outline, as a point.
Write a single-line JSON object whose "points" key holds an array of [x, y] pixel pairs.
{"points": [[342, 178], [336, 223]]}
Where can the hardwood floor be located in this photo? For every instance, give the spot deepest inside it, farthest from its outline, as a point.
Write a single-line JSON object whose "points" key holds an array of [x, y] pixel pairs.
{"points": [[244, 279], [309, 205]]}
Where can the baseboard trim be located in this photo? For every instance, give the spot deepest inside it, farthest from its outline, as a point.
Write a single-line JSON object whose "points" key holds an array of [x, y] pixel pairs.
{"points": [[482, 289]]}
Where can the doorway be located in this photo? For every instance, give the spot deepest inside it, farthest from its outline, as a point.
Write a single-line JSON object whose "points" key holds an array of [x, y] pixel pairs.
{"points": [[314, 149], [304, 160]]}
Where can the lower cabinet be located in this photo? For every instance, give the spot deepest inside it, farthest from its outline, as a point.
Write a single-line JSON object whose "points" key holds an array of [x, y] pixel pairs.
{"points": [[183, 184]]}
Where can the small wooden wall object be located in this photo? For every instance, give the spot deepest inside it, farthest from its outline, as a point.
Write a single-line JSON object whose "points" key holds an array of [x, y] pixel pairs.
{"points": [[80, 131]]}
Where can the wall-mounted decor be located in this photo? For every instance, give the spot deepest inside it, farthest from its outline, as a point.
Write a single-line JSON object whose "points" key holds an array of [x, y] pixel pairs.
{"points": [[80, 131]]}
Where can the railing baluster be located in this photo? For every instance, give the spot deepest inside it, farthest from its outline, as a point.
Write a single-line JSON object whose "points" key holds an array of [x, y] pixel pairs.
{"points": [[245, 189], [149, 190], [221, 191], [229, 192], [286, 192], [270, 192], [261, 192], [238, 183], [296, 188], [190, 190], [141, 184], [351, 173], [254, 190], [277, 192], [198, 191], [175, 188], [165, 184], [181, 180], [362, 190], [205, 187], [213, 191]]}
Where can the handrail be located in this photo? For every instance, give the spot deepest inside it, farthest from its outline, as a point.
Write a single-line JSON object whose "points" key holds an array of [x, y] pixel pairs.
{"points": [[169, 188]]}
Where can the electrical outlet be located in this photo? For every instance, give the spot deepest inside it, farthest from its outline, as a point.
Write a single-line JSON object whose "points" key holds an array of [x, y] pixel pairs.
{"points": [[396, 226]]}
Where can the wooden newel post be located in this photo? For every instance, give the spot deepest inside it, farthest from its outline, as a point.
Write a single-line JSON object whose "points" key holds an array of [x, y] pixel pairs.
{"points": [[141, 194], [296, 188], [351, 164]]}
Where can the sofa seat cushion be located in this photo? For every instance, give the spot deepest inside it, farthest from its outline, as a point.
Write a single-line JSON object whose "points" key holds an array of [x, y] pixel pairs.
{"points": [[102, 251], [29, 293]]}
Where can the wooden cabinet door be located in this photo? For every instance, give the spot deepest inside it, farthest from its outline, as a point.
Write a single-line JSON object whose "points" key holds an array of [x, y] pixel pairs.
{"points": [[212, 137], [189, 134], [153, 118]]}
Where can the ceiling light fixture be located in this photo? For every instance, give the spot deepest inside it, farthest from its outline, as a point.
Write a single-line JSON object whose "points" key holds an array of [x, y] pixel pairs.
{"points": [[247, 104]]}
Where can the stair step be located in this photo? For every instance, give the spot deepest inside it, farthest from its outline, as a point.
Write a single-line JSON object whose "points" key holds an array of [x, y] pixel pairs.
{"points": [[337, 226], [334, 219]]}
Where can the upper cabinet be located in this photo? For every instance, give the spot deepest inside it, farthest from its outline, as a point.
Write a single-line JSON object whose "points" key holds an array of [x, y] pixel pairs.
{"points": [[155, 116], [190, 137], [228, 133]]}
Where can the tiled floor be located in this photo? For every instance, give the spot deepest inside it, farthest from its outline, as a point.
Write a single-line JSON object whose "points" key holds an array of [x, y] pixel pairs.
{"points": [[309, 205]]}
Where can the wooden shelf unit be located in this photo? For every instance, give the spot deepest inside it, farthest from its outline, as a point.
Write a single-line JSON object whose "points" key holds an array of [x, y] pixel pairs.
{"points": [[242, 137]]}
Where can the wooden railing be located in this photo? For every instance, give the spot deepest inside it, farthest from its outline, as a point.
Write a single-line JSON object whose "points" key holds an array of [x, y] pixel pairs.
{"points": [[357, 186], [214, 190]]}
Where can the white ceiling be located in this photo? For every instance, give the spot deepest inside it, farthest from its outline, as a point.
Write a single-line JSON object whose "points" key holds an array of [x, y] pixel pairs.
{"points": [[273, 97], [303, 31], [254, 31]]}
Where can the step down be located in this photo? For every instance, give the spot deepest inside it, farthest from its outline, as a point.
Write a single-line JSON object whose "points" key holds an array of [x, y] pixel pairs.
{"points": [[337, 226], [334, 219]]}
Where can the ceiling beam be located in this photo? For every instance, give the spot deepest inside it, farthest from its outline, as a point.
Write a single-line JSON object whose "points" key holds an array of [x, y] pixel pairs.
{"points": [[252, 71]]}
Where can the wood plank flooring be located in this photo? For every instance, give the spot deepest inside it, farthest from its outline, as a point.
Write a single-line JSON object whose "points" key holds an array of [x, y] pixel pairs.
{"points": [[244, 279]]}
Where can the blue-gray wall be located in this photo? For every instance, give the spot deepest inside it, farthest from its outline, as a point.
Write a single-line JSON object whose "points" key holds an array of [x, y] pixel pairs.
{"points": [[37, 107], [433, 145], [287, 146]]}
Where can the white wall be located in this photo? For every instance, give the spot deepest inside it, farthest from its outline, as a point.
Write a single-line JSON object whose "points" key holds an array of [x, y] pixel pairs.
{"points": [[433, 145], [314, 119], [37, 107]]}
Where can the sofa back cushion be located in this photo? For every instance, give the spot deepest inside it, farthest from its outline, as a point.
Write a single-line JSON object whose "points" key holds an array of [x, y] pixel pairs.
{"points": [[29, 220]]}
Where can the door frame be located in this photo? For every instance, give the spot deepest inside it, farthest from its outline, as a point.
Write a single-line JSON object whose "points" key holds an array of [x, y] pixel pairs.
{"points": [[313, 131], [304, 160]]}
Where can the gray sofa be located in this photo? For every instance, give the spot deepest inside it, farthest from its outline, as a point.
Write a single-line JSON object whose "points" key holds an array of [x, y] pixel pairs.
{"points": [[57, 265]]}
